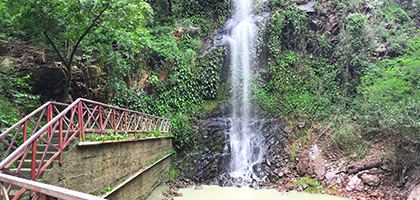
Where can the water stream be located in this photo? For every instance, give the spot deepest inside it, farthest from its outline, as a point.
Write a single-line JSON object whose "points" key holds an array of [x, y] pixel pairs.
{"points": [[244, 144], [246, 193]]}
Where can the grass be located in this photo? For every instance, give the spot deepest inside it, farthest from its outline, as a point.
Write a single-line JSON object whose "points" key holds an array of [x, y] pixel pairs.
{"points": [[346, 139], [314, 185], [209, 106], [292, 152]]}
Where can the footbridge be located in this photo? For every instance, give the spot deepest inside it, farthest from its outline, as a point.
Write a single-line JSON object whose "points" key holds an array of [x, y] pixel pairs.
{"points": [[51, 139]]}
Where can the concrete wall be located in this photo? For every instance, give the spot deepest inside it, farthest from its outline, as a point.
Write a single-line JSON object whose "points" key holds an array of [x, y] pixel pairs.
{"points": [[96, 167], [142, 184]]}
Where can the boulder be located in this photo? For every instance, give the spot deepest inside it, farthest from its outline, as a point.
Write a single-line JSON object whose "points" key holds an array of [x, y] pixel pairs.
{"points": [[317, 162], [7, 62], [331, 175], [304, 163], [192, 31], [331, 178], [289, 186], [308, 7], [312, 163], [371, 180], [415, 193], [355, 183]]}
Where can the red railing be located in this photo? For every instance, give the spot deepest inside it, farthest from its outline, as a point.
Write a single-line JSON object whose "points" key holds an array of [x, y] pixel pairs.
{"points": [[75, 120], [48, 191], [29, 125]]}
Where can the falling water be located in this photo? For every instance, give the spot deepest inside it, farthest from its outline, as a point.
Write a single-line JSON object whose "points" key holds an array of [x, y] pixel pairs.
{"points": [[245, 143]]}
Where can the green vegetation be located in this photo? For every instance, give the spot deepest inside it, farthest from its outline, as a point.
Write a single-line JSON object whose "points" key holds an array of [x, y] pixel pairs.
{"points": [[313, 185], [109, 189], [365, 75], [106, 136], [15, 102], [292, 152], [392, 103], [111, 135]]}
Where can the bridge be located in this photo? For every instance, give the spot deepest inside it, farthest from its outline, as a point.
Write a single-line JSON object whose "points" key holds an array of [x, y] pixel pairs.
{"points": [[34, 142]]}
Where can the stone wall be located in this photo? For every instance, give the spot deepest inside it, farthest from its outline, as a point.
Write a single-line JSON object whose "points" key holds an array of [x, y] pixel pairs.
{"points": [[94, 168], [142, 184]]}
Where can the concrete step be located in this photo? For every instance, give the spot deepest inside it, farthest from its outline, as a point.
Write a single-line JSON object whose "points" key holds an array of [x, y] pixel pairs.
{"points": [[41, 147], [39, 154], [23, 171], [27, 163], [27, 172], [53, 140], [15, 189]]}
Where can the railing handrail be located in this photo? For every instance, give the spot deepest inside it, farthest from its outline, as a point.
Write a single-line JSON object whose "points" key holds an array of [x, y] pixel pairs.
{"points": [[28, 142], [50, 190], [118, 108], [34, 136], [27, 117]]}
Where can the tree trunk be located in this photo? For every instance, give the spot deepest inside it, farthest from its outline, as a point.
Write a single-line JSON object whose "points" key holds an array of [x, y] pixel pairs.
{"points": [[170, 6], [66, 84], [69, 62]]}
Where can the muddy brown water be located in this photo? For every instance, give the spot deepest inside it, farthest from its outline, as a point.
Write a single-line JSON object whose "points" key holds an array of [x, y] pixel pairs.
{"points": [[246, 193]]}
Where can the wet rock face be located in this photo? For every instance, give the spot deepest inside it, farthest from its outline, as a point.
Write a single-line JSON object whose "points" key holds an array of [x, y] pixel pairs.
{"points": [[211, 164]]}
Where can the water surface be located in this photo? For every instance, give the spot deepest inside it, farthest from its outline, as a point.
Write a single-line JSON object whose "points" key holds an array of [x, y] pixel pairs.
{"points": [[246, 193]]}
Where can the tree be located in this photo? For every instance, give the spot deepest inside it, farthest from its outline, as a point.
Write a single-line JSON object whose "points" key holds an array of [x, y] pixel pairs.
{"points": [[64, 24]]}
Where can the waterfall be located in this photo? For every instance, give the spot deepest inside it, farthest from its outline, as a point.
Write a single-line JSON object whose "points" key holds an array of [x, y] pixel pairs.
{"points": [[245, 144]]}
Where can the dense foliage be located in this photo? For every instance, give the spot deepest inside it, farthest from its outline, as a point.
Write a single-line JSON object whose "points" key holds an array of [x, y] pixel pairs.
{"points": [[132, 39], [15, 101], [362, 78], [392, 104]]}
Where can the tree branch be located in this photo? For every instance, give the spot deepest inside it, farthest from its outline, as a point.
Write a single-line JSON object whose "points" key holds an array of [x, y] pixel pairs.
{"points": [[55, 48], [85, 33]]}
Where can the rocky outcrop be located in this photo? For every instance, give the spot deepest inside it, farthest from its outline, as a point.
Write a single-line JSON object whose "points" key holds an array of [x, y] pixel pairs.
{"points": [[415, 193], [312, 163], [48, 78], [210, 165]]}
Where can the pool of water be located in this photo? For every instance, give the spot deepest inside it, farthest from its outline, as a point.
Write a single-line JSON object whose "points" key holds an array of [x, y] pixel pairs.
{"points": [[246, 193]]}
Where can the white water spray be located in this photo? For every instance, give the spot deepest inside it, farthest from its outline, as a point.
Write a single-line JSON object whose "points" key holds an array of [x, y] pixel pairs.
{"points": [[245, 145]]}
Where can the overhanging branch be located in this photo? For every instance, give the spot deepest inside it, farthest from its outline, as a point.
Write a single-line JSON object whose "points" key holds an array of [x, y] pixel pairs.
{"points": [[86, 32], [56, 50]]}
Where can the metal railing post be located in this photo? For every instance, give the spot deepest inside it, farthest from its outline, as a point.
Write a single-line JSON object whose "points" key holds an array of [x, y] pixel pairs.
{"points": [[80, 118], [126, 120], [25, 131], [33, 163], [100, 120], [71, 119], [49, 117], [60, 140], [113, 120]]}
